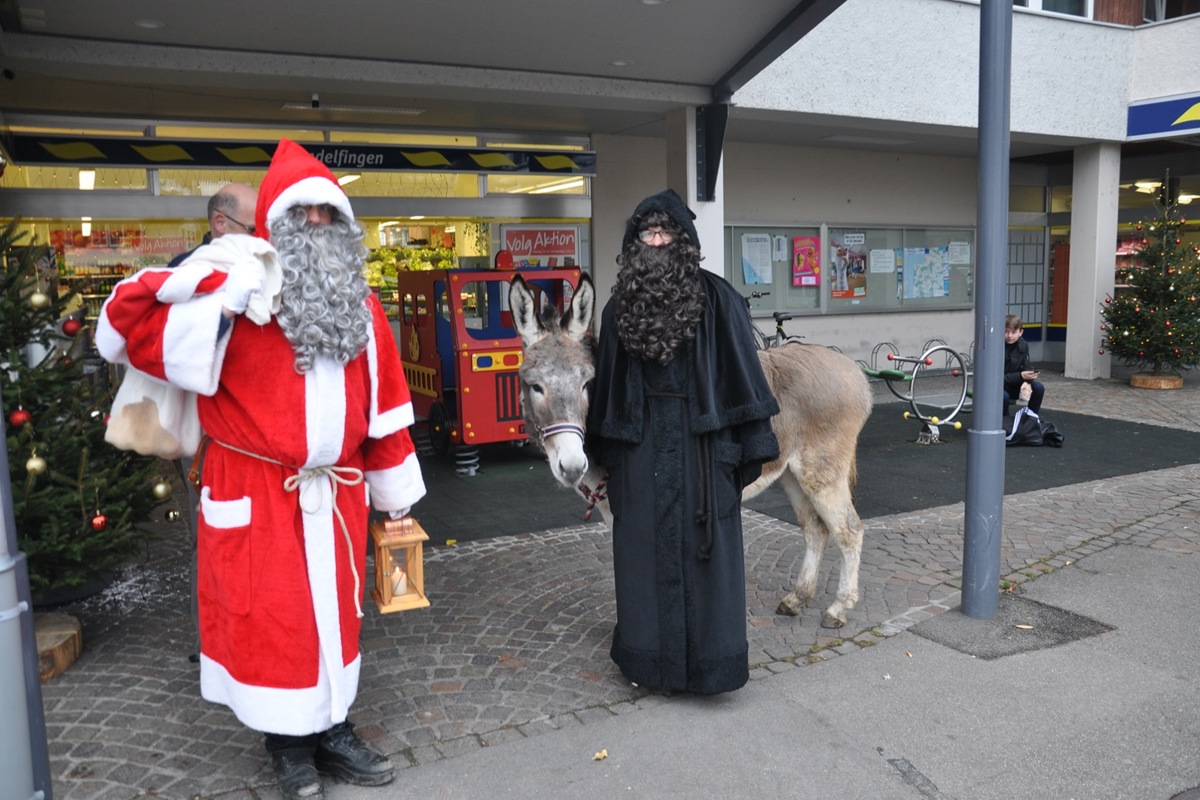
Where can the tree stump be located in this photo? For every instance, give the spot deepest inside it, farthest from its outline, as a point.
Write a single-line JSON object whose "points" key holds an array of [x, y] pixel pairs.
{"points": [[1147, 380], [59, 643]]}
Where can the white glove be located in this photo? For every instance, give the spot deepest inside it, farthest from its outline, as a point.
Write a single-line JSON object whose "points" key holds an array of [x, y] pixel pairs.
{"points": [[245, 278], [401, 514]]}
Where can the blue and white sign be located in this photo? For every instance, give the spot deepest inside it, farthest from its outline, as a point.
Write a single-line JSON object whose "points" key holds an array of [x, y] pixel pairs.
{"points": [[1165, 116]]}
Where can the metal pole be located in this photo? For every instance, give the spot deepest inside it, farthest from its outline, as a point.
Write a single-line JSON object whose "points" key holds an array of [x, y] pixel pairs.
{"points": [[983, 522], [24, 757]]}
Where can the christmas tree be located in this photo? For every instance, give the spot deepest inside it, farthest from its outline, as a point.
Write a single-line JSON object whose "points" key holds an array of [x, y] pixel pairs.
{"points": [[80, 505], [1155, 322]]}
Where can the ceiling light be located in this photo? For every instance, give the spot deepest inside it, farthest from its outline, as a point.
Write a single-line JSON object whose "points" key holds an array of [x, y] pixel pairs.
{"points": [[1147, 187], [86, 227], [1186, 199], [342, 181], [418, 216], [149, 24], [655, 2], [87, 179], [621, 62], [558, 187], [397, 111]]}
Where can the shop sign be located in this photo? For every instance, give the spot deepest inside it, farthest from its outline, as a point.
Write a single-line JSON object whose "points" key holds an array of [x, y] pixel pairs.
{"points": [[1164, 116], [103, 151], [542, 245]]}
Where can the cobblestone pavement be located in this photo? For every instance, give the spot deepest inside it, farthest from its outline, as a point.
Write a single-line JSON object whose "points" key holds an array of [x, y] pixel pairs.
{"points": [[516, 642]]}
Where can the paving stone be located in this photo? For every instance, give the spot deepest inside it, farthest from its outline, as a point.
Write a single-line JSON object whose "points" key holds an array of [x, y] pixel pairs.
{"points": [[508, 652]]}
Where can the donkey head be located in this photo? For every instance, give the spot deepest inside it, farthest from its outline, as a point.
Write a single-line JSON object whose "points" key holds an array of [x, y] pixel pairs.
{"points": [[556, 374]]}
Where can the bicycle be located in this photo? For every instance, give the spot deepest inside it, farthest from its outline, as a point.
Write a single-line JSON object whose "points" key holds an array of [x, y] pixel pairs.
{"points": [[764, 341]]}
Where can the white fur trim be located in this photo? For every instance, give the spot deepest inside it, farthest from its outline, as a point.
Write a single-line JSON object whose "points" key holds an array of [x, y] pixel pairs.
{"points": [[388, 422], [307, 192], [184, 279], [325, 411], [109, 344], [226, 514], [391, 421], [293, 712], [397, 487], [322, 537], [193, 352]]}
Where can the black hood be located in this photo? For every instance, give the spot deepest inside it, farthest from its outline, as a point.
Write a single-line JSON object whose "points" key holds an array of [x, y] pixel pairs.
{"points": [[669, 203]]}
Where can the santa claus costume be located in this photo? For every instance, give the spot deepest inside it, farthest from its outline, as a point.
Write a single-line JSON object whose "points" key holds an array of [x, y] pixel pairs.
{"points": [[295, 459]]}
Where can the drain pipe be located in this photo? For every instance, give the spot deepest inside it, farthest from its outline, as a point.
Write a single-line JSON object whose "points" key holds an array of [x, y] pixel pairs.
{"points": [[24, 756]]}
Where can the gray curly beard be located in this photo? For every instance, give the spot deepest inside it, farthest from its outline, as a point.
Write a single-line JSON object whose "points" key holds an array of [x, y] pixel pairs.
{"points": [[322, 305]]}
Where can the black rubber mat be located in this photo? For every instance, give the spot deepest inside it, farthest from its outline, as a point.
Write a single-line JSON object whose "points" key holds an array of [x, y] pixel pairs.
{"points": [[513, 492], [896, 475]]}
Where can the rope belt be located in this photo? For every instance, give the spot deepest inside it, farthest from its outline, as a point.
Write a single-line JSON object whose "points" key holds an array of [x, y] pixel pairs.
{"points": [[346, 476]]}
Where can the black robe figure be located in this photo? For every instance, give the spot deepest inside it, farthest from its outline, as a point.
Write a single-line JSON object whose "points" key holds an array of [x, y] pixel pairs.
{"points": [[680, 417]]}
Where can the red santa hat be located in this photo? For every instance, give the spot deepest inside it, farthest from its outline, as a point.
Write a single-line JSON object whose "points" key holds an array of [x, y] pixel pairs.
{"points": [[295, 178]]}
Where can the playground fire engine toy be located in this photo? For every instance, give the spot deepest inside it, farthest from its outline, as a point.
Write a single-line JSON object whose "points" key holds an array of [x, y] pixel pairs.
{"points": [[460, 351]]}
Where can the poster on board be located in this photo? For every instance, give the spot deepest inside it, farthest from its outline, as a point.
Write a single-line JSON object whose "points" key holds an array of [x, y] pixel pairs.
{"points": [[806, 261], [756, 258], [848, 264]]}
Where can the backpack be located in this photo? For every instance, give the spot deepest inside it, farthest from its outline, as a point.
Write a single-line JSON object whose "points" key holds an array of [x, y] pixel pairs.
{"points": [[1028, 429]]}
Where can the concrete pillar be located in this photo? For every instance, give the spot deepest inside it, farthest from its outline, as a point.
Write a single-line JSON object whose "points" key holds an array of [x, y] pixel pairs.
{"points": [[1094, 192], [681, 176]]}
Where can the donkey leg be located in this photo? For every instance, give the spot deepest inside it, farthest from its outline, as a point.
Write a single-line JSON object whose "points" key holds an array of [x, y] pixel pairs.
{"points": [[836, 508], [815, 539]]}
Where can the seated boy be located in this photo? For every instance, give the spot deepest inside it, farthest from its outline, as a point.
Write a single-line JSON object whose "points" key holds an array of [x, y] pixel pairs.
{"points": [[1016, 367]]}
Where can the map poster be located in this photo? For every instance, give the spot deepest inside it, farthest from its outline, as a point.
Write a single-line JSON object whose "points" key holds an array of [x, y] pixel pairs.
{"points": [[806, 261], [926, 272]]}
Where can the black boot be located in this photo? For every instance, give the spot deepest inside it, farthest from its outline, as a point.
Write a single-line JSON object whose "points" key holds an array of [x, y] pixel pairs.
{"points": [[343, 754], [292, 760]]}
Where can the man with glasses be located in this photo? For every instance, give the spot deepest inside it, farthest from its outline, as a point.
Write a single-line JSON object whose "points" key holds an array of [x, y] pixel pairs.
{"points": [[680, 418], [230, 210], [232, 203]]}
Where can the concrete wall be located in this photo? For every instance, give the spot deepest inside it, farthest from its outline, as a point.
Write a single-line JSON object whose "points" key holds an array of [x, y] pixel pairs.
{"points": [[779, 185], [776, 185], [918, 61], [1166, 59]]}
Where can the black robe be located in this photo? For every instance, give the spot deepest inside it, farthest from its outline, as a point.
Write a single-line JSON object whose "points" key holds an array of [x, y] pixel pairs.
{"points": [[680, 442]]}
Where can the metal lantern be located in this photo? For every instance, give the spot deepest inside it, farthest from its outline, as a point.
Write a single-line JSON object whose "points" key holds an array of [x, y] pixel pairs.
{"points": [[399, 565]]}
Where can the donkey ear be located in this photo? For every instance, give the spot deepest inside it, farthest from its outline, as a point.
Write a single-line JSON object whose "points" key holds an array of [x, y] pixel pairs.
{"points": [[577, 322], [524, 311]]}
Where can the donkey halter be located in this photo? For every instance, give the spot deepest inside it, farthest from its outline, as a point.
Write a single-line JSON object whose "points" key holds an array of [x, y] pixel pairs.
{"points": [[555, 428]]}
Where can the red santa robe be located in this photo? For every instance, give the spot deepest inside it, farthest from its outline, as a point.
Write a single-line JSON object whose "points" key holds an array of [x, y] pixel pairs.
{"points": [[283, 521]]}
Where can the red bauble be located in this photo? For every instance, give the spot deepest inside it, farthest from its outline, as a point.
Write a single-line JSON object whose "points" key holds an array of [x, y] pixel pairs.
{"points": [[19, 417], [99, 522], [71, 326]]}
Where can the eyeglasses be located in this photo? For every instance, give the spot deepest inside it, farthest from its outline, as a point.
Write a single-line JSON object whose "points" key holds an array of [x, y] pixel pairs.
{"points": [[247, 228], [647, 236]]}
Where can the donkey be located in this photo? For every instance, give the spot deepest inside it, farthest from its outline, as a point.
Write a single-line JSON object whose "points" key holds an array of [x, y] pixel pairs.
{"points": [[824, 402]]}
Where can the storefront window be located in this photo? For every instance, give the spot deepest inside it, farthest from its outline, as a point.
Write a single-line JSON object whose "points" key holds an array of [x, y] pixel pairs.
{"points": [[1075, 8], [74, 178], [537, 184]]}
